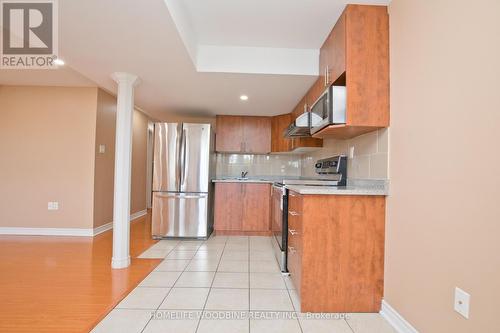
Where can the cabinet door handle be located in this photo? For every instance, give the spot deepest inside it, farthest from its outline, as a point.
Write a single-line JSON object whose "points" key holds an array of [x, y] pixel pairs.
{"points": [[327, 75], [291, 250], [293, 232], [291, 212]]}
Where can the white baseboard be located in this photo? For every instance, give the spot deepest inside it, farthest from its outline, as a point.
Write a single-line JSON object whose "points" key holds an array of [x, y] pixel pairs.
{"points": [[138, 214], [78, 232], [395, 319], [102, 228]]}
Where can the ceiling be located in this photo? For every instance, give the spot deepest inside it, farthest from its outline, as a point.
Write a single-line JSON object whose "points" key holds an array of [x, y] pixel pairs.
{"points": [[193, 57]]}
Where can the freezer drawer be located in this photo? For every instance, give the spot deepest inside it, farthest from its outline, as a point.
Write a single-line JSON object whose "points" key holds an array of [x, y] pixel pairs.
{"points": [[179, 214]]}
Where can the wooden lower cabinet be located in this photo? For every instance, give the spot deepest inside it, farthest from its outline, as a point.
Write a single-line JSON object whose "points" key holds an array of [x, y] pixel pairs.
{"points": [[336, 251], [242, 208]]}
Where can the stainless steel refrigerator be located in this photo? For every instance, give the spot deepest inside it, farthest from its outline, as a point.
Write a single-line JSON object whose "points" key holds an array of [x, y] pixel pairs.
{"points": [[183, 163]]}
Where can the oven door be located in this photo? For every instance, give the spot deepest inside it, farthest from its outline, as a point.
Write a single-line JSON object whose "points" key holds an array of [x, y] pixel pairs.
{"points": [[279, 213]]}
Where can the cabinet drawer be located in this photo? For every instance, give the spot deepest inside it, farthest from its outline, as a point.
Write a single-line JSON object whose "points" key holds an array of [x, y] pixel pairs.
{"points": [[294, 202], [294, 261]]}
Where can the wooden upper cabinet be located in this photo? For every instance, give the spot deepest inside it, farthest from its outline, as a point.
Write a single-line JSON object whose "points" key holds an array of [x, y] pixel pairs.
{"points": [[300, 108], [332, 54], [367, 65], [278, 126], [356, 54], [242, 134], [229, 134], [257, 135], [314, 92]]}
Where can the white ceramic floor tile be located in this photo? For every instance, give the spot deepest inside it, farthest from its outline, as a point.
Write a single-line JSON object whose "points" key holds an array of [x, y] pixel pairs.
{"points": [[316, 323], [212, 247], [231, 280], [187, 247], [228, 299], [264, 266], [216, 239], [270, 300], [172, 325], [211, 255], [123, 321], [261, 248], [175, 254], [280, 325], [234, 266], [262, 255], [154, 254], [195, 279], [160, 279], [165, 244], [213, 323], [235, 255], [236, 247], [295, 299], [267, 281], [203, 265], [169, 265], [185, 298], [237, 239], [369, 323], [144, 298], [288, 282]]}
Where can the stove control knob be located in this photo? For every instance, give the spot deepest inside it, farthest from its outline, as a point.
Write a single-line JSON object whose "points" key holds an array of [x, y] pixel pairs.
{"points": [[318, 165]]}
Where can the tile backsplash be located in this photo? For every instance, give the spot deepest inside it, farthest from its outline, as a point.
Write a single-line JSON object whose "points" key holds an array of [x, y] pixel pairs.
{"points": [[371, 155], [229, 165], [370, 161]]}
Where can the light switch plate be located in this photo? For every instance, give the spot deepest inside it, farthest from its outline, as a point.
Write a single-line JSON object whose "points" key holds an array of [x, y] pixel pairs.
{"points": [[351, 152], [462, 302], [53, 205], [102, 149]]}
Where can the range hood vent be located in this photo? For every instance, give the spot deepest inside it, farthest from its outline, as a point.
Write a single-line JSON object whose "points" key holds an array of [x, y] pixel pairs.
{"points": [[301, 127]]}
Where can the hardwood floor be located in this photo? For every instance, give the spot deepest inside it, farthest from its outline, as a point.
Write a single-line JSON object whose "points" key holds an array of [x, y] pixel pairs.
{"points": [[66, 284]]}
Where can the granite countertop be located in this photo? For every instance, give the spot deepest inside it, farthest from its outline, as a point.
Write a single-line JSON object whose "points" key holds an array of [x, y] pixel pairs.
{"points": [[258, 179], [248, 180], [354, 186]]}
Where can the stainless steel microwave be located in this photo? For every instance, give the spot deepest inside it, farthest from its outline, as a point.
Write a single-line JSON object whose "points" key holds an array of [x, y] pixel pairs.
{"points": [[329, 108]]}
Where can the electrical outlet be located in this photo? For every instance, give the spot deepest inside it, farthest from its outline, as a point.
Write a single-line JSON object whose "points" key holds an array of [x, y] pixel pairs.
{"points": [[462, 300], [53, 205], [102, 149]]}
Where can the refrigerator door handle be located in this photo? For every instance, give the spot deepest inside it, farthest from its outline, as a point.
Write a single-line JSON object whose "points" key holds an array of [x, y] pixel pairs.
{"points": [[183, 159]]}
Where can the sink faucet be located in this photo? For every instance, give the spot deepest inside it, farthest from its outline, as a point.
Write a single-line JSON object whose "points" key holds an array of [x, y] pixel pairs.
{"points": [[244, 174]]}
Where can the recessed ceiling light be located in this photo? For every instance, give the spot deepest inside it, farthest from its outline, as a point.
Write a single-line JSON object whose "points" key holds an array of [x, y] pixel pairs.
{"points": [[244, 97], [59, 62]]}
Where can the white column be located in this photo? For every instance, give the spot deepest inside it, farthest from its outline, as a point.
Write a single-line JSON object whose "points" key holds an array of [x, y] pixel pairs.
{"points": [[123, 169]]}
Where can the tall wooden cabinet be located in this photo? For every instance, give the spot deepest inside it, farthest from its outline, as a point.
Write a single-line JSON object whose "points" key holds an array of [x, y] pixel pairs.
{"points": [[243, 134], [356, 54], [242, 208]]}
